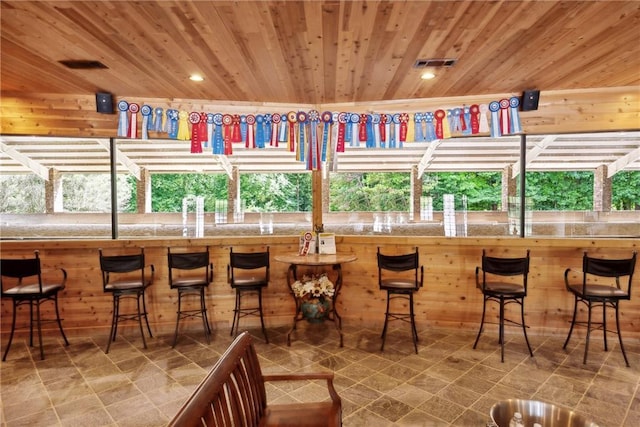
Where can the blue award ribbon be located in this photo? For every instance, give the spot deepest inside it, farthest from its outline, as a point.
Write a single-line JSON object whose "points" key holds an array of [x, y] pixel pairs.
{"points": [[268, 122], [282, 137], [371, 141], [514, 102], [467, 120], [218, 138], [157, 120], [327, 120], [314, 118], [431, 129], [259, 131], [302, 122], [375, 121], [172, 123], [347, 130], [243, 128], [455, 120], [393, 143], [123, 118], [494, 107], [146, 112], [167, 120], [418, 135]]}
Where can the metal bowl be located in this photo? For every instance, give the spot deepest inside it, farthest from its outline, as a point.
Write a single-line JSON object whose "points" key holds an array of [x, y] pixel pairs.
{"points": [[533, 411]]}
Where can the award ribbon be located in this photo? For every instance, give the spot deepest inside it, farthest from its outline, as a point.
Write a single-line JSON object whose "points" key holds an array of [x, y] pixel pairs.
{"points": [[474, 111], [303, 149], [404, 124], [393, 143], [375, 123], [276, 119], [419, 135], [194, 119], [440, 115], [430, 128], [446, 124], [384, 129], [387, 129], [157, 121], [133, 122], [172, 123], [342, 130], [243, 131], [465, 119], [306, 243], [146, 112], [183, 126], [494, 107], [355, 119], [514, 103], [327, 119], [484, 122], [167, 122], [218, 138], [260, 129], [332, 158], [291, 119], [371, 142], [455, 120], [314, 149], [227, 122], [250, 124], [203, 128], [362, 130], [282, 137], [236, 135], [504, 117], [123, 119], [209, 129]]}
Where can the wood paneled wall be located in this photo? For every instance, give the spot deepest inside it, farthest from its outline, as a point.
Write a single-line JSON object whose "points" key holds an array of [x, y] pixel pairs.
{"points": [[449, 297], [558, 112]]}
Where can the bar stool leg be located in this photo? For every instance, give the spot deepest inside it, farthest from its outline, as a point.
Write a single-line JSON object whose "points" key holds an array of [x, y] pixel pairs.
{"points": [[13, 328], [179, 312], [573, 322], [414, 331], [386, 320], [524, 328], [236, 313], [146, 318], [604, 324], [626, 361], [484, 309], [138, 296], [55, 300], [264, 330], [501, 329], [586, 345], [114, 321], [205, 319], [39, 325]]}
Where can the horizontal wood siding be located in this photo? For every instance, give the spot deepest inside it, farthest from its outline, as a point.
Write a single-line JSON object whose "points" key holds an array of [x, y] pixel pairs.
{"points": [[449, 297]]}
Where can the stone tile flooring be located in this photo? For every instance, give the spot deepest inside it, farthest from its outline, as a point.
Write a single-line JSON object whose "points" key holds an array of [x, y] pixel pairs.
{"points": [[446, 384]]}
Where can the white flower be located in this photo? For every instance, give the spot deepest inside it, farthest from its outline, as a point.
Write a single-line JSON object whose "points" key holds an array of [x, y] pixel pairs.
{"points": [[313, 287]]}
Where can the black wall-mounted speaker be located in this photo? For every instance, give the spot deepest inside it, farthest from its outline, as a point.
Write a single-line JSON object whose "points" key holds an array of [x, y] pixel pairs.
{"points": [[530, 100], [104, 103]]}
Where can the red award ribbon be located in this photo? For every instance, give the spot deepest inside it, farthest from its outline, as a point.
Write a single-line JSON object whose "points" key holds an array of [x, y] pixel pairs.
{"points": [[291, 119], [327, 118], [194, 119], [383, 127], [276, 119], [204, 135], [133, 122], [362, 131], [462, 121], [236, 134], [227, 121], [251, 141], [342, 128], [404, 120], [306, 243], [475, 118], [440, 116]]}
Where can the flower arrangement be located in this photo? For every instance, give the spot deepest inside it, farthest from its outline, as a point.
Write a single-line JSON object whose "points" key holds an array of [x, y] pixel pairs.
{"points": [[312, 288]]}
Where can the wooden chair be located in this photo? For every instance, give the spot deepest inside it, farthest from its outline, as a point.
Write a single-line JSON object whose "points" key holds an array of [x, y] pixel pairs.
{"points": [[248, 273], [492, 280], [393, 279], [600, 286], [234, 394], [190, 273], [22, 281], [126, 276]]}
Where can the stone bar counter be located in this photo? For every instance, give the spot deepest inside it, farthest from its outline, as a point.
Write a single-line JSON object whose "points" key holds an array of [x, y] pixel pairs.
{"points": [[449, 297]]}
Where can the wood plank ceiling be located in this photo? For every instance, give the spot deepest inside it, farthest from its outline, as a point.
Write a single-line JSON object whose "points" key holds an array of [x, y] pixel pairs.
{"points": [[319, 52]]}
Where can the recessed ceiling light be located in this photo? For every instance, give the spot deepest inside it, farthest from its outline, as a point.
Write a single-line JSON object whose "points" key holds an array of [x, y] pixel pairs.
{"points": [[427, 76], [196, 77]]}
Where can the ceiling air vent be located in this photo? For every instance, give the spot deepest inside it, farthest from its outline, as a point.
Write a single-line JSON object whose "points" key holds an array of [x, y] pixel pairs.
{"points": [[441, 62], [83, 64]]}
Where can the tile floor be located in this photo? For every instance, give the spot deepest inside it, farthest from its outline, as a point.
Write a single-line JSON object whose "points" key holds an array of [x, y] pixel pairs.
{"points": [[446, 384]]}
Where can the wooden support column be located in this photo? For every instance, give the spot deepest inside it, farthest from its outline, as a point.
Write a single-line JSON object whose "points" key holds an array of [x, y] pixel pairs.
{"points": [[53, 192], [509, 186], [416, 194], [325, 192], [143, 192], [317, 199], [233, 193], [601, 190]]}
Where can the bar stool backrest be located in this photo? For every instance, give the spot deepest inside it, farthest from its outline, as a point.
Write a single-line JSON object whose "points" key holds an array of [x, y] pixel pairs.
{"points": [[505, 267], [190, 261], [120, 265], [399, 264], [613, 268], [248, 261], [21, 269]]}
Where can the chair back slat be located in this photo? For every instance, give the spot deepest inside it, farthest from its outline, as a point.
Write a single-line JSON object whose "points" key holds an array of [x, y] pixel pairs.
{"points": [[505, 266], [609, 267], [188, 261], [20, 269], [121, 263], [232, 394], [249, 260]]}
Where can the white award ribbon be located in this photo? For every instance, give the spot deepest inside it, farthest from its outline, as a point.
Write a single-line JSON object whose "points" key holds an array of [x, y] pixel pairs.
{"points": [[250, 121], [276, 119], [282, 137], [514, 103], [504, 117], [146, 112], [396, 131], [157, 120], [123, 118], [484, 121], [494, 107], [335, 130]]}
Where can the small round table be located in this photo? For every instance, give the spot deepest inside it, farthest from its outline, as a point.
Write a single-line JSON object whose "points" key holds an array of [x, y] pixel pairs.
{"points": [[334, 261]]}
